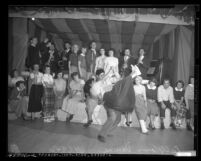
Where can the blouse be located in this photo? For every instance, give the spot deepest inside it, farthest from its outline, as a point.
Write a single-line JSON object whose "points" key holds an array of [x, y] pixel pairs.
{"points": [[47, 78], [39, 76], [100, 62], [110, 62], [60, 85], [77, 85], [139, 90]]}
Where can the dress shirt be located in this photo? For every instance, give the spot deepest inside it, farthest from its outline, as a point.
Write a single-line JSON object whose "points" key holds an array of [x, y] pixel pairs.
{"points": [[165, 94]]}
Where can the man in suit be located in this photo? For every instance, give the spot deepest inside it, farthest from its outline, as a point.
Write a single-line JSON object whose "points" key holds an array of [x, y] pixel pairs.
{"points": [[91, 59], [65, 57]]}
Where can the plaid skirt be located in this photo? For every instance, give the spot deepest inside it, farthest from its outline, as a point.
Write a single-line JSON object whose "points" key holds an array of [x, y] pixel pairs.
{"points": [[49, 99]]}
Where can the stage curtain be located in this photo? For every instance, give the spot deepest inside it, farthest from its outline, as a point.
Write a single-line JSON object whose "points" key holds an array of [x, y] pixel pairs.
{"points": [[176, 49], [185, 53], [19, 38]]}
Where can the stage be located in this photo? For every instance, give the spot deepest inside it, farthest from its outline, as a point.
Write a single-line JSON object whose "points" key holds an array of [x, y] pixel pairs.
{"points": [[59, 137]]}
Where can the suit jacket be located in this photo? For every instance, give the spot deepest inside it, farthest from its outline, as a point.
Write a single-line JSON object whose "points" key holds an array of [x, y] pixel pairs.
{"points": [[127, 70], [67, 55], [32, 57]]}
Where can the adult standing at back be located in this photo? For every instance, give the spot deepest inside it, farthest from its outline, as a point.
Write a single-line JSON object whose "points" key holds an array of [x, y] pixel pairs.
{"points": [[91, 59], [73, 60], [33, 56], [65, 57]]}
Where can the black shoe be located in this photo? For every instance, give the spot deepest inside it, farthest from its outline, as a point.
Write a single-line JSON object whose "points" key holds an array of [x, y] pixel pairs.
{"points": [[128, 124], [71, 117], [101, 138], [151, 127], [162, 126], [188, 127], [68, 119], [88, 124], [173, 126], [25, 118]]}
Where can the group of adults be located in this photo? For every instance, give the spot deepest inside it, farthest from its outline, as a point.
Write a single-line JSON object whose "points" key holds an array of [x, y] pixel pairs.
{"points": [[98, 78]]}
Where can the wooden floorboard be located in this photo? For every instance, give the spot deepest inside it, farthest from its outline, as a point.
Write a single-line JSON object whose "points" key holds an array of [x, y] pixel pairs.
{"points": [[39, 137]]}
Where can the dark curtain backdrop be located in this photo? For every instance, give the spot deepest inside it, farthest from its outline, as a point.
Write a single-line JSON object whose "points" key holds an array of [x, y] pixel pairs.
{"points": [[176, 49]]}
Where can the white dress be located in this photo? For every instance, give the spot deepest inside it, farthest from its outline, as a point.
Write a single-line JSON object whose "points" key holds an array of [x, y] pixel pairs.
{"points": [[113, 75]]}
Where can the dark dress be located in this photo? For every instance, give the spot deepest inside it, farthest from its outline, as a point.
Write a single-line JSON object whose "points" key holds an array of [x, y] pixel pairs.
{"points": [[35, 96], [152, 106], [178, 94], [122, 97], [33, 56]]}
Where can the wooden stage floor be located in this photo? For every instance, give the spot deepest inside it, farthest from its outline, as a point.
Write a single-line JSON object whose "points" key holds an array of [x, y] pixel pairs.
{"points": [[39, 137]]}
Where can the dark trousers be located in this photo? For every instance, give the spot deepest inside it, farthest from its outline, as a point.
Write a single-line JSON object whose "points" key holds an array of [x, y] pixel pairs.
{"points": [[168, 105], [113, 119]]}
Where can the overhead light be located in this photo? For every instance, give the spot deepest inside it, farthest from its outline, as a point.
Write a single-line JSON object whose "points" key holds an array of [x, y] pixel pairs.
{"points": [[33, 18]]}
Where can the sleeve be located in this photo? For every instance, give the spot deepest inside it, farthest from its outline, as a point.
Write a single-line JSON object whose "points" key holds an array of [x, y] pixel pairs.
{"points": [[159, 94], [171, 96]]}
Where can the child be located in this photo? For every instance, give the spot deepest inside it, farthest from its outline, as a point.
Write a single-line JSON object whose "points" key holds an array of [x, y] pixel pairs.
{"points": [[49, 97]]}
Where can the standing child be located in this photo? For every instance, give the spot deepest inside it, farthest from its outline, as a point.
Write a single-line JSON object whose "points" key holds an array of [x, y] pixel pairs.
{"points": [[49, 97], [152, 104], [140, 103]]}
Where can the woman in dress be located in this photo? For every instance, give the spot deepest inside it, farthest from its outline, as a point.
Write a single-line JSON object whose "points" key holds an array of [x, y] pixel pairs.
{"points": [[100, 60], [152, 104], [82, 64], [59, 91], [111, 68], [71, 104], [189, 100], [36, 92], [49, 97], [140, 103]]}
